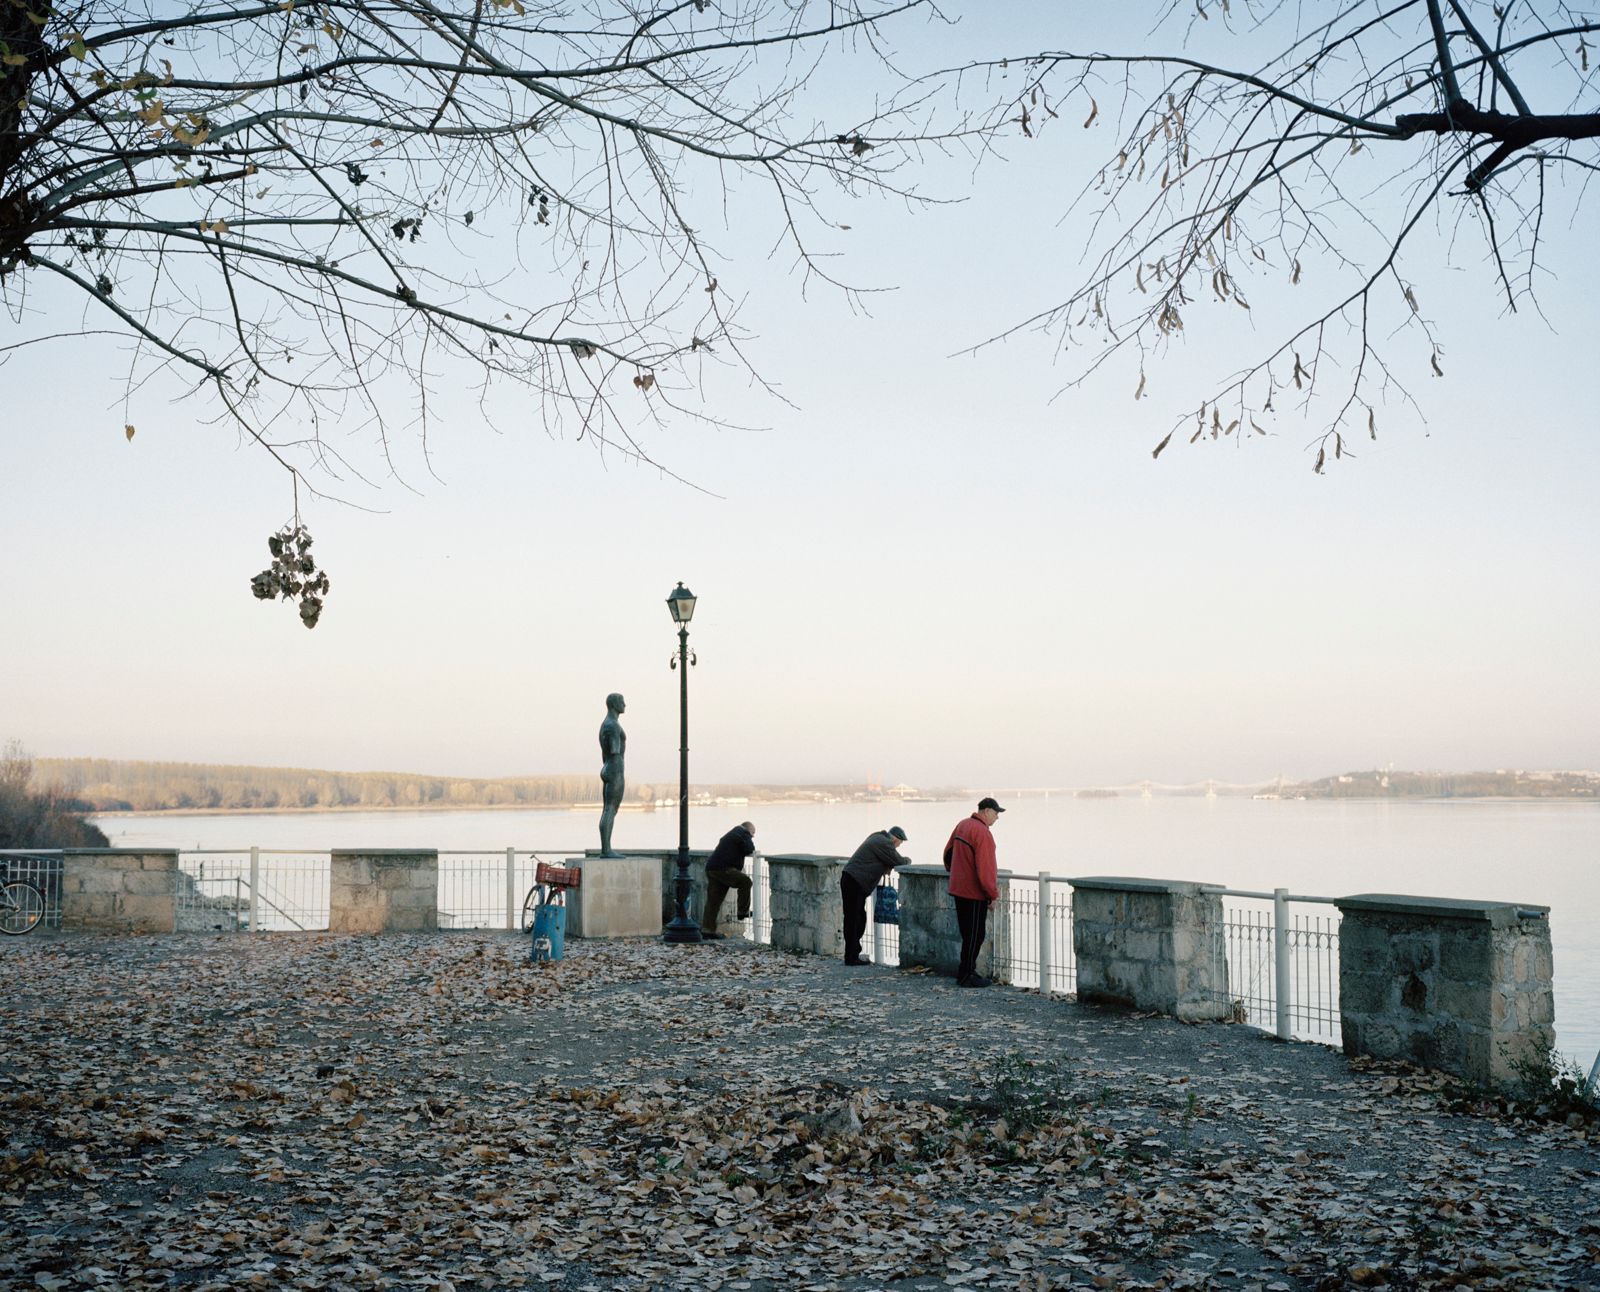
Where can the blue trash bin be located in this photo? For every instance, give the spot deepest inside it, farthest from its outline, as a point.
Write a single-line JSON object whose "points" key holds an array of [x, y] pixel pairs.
{"points": [[549, 933]]}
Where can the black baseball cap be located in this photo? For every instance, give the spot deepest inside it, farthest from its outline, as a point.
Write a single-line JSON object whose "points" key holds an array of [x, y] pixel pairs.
{"points": [[990, 804], [898, 833]]}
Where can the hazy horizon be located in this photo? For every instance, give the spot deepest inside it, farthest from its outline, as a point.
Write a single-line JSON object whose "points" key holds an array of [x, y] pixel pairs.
{"points": [[669, 785]]}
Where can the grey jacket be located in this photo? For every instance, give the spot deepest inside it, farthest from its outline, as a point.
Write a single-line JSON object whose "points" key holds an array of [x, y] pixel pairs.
{"points": [[874, 859]]}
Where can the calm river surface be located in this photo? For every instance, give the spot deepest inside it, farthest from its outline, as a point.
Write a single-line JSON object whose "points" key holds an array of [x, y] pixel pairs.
{"points": [[1545, 854]]}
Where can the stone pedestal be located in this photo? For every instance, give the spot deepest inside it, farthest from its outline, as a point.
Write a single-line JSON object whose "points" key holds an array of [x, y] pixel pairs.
{"points": [[119, 890], [1151, 944], [1458, 986], [929, 934], [383, 890], [807, 913], [620, 897]]}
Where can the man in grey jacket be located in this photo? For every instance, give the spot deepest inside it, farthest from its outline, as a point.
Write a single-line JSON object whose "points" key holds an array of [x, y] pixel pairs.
{"points": [[878, 854]]}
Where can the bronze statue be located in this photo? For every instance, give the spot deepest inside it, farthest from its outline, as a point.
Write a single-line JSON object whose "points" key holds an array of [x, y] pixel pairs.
{"points": [[613, 740]]}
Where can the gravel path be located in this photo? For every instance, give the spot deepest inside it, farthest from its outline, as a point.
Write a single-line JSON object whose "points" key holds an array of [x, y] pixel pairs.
{"points": [[434, 1112]]}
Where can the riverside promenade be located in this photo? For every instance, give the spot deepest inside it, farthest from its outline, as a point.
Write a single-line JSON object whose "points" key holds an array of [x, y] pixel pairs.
{"points": [[432, 1111]]}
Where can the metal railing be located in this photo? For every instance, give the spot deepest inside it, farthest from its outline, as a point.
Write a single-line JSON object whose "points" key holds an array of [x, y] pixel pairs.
{"points": [[277, 890], [42, 869], [1039, 924], [253, 889], [760, 899], [487, 889], [1283, 964]]}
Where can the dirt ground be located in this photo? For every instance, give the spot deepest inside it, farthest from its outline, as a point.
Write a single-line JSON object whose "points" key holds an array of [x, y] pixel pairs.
{"points": [[435, 1112]]}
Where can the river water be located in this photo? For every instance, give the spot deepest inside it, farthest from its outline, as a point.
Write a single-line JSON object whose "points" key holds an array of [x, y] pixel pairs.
{"points": [[1535, 853]]}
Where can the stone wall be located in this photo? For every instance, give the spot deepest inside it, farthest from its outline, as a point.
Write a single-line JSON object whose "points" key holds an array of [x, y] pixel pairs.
{"points": [[119, 890], [1151, 944], [383, 890], [619, 897], [807, 912], [929, 934], [1461, 987]]}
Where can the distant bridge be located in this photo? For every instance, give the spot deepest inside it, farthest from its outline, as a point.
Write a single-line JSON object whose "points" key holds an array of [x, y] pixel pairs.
{"points": [[1139, 788]]}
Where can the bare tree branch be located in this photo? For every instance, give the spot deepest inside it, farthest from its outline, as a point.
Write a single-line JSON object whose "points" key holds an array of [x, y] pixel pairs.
{"points": [[1363, 123]]}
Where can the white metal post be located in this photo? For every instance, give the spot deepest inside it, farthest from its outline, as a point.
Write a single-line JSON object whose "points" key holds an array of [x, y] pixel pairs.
{"points": [[759, 879], [511, 890], [1280, 960], [255, 889], [879, 951], [1044, 934]]}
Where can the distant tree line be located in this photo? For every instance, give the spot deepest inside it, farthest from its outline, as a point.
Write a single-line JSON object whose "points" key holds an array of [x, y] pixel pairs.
{"points": [[1461, 785], [120, 785], [48, 817], [111, 785]]}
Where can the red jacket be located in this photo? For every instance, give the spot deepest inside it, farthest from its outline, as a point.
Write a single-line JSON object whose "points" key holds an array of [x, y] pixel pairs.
{"points": [[969, 857]]}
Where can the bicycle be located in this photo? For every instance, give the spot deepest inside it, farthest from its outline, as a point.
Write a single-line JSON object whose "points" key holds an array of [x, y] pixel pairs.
{"points": [[21, 907], [550, 886]]}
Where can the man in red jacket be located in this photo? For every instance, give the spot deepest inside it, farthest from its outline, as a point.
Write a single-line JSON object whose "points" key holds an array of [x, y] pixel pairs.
{"points": [[974, 883]]}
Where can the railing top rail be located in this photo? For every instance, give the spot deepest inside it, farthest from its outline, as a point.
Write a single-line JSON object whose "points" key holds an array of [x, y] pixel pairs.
{"points": [[1266, 897]]}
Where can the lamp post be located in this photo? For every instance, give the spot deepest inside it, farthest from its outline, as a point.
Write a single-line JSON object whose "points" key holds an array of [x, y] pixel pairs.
{"points": [[682, 928]]}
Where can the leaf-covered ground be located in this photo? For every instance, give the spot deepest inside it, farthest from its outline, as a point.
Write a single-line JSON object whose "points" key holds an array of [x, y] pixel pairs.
{"points": [[434, 1112]]}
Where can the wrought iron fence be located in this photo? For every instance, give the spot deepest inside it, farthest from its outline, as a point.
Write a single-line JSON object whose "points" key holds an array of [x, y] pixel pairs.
{"points": [[885, 937], [253, 889], [760, 899], [42, 869], [1039, 924], [490, 889], [1283, 963]]}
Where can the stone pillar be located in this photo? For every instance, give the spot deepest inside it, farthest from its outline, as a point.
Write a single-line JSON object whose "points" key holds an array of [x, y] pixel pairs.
{"points": [[807, 913], [119, 890], [1151, 944], [1458, 986], [929, 934], [620, 897], [383, 890]]}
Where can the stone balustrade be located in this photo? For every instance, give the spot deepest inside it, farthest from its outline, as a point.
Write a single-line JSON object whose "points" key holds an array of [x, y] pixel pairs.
{"points": [[119, 890], [1151, 944], [929, 934], [1458, 986], [1461, 987], [383, 890], [807, 910]]}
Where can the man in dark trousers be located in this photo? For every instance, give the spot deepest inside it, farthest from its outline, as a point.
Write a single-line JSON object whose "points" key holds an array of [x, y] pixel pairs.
{"points": [[974, 884], [725, 870], [878, 854]]}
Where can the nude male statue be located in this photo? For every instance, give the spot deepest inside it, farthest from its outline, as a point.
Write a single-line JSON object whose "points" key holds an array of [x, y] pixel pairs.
{"points": [[613, 740]]}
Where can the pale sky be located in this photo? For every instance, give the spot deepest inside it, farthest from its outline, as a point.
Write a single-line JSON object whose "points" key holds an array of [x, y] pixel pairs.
{"points": [[933, 569]]}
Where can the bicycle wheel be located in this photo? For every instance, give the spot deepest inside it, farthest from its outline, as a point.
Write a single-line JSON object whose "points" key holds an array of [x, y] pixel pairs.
{"points": [[529, 904], [21, 907]]}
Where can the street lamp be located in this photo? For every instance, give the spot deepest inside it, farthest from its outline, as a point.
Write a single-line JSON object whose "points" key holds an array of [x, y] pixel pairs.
{"points": [[681, 605]]}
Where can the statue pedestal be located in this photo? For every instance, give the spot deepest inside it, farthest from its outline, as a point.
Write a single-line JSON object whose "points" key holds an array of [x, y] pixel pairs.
{"points": [[620, 897]]}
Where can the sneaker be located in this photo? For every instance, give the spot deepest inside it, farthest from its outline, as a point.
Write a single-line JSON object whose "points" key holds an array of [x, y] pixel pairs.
{"points": [[862, 961], [710, 937], [975, 980]]}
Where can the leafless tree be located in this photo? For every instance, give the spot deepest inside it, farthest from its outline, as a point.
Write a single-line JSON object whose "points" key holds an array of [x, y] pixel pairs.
{"points": [[1366, 127], [316, 212]]}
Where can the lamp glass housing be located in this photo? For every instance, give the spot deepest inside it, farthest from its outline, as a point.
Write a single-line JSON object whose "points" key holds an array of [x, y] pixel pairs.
{"points": [[681, 604]]}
